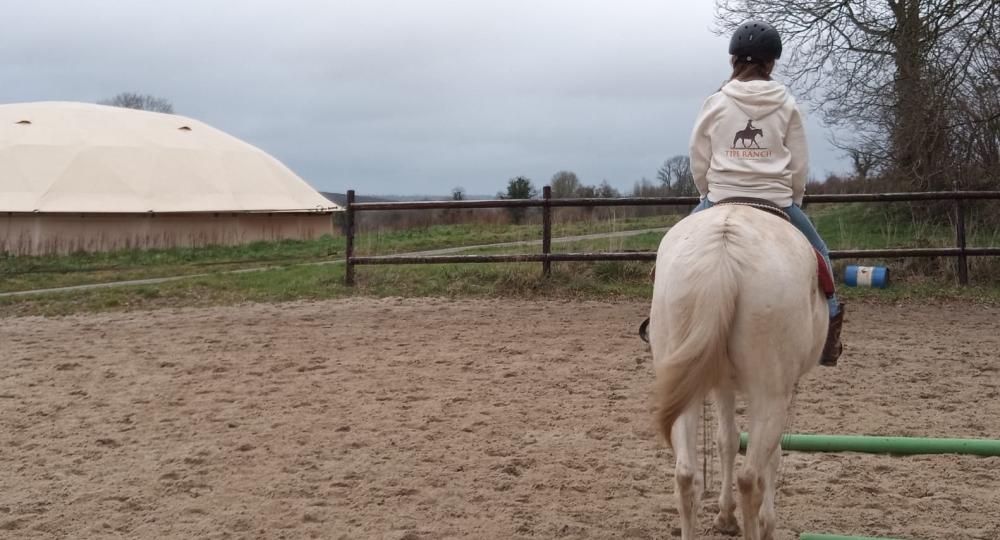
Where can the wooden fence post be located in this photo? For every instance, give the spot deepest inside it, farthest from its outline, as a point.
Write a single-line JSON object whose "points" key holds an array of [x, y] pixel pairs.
{"points": [[349, 234], [547, 230], [963, 263]]}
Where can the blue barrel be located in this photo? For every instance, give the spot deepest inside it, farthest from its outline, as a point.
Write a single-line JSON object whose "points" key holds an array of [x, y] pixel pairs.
{"points": [[866, 276]]}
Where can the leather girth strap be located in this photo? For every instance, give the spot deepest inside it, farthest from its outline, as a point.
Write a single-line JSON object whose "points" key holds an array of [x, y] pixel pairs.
{"points": [[760, 204]]}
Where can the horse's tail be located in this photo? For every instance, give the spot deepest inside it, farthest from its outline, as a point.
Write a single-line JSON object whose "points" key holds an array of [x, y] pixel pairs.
{"points": [[702, 318]]}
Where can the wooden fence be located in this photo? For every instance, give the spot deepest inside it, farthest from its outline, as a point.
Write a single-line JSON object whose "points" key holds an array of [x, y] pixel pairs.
{"points": [[547, 203]]}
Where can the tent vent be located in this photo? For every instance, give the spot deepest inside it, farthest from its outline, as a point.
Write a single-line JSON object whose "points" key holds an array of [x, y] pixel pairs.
{"points": [[184, 128], [27, 122]]}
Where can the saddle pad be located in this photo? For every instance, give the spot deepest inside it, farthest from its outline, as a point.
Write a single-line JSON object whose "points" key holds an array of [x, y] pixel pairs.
{"points": [[825, 275]]}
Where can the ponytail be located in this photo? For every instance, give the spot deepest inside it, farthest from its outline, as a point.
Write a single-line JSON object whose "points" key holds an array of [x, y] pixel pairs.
{"points": [[747, 68]]}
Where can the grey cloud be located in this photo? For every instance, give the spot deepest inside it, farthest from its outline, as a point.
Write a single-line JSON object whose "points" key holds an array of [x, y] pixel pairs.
{"points": [[398, 96]]}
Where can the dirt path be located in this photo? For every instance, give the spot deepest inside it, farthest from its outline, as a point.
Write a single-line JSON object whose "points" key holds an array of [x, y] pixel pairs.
{"points": [[432, 419], [559, 240]]}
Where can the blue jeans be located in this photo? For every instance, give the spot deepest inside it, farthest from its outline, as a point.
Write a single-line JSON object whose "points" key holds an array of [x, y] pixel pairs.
{"points": [[802, 223]]}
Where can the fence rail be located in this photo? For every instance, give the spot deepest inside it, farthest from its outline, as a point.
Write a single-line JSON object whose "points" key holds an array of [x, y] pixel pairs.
{"points": [[961, 252]]}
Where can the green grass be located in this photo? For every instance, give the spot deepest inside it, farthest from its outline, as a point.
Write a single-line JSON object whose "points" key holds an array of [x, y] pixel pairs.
{"points": [[610, 281], [587, 280], [872, 226], [440, 236], [856, 226], [877, 226], [27, 273]]}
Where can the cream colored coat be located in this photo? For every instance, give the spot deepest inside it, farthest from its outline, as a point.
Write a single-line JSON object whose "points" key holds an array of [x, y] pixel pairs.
{"points": [[736, 306]]}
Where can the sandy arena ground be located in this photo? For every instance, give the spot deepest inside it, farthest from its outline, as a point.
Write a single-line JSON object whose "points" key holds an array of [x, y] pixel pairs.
{"points": [[429, 419]]}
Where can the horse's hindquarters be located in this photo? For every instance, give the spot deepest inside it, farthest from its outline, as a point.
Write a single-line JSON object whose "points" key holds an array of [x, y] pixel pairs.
{"points": [[781, 317], [735, 294], [767, 266]]}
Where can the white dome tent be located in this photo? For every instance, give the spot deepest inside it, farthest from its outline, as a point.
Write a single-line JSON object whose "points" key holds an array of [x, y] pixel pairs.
{"points": [[77, 176]]}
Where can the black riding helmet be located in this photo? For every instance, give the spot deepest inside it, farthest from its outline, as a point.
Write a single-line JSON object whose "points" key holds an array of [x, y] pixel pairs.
{"points": [[757, 40]]}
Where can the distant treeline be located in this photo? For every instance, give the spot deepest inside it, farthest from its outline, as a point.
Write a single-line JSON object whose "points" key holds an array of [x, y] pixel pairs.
{"points": [[673, 179]]}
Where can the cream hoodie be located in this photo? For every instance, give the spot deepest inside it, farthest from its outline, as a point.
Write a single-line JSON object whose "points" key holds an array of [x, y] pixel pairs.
{"points": [[749, 142]]}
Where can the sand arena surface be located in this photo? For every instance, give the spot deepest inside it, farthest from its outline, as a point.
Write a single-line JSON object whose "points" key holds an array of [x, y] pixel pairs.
{"points": [[427, 419]]}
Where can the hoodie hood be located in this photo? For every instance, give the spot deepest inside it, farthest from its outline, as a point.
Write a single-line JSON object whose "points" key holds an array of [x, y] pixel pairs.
{"points": [[756, 98]]}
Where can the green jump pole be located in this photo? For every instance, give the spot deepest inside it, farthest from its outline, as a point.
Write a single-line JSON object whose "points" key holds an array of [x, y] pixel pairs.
{"points": [[818, 536], [885, 445]]}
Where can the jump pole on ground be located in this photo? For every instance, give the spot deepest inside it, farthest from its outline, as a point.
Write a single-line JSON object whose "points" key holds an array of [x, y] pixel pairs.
{"points": [[885, 445], [818, 536]]}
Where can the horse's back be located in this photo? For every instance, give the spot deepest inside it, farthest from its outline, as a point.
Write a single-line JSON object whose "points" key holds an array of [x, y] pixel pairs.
{"points": [[769, 253], [766, 264]]}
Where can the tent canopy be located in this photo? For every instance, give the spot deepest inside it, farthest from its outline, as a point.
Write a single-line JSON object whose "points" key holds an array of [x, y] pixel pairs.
{"points": [[80, 157]]}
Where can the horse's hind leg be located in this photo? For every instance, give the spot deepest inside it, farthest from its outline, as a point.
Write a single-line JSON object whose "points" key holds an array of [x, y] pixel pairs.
{"points": [[728, 439], [768, 516], [688, 483], [756, 480]]}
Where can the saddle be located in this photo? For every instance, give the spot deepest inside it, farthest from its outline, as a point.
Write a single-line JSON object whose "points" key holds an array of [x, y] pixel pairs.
{"points": [[760, 204]]}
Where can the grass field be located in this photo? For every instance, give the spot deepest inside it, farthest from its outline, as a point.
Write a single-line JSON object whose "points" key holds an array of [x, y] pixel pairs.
{"points": [[292, 270], [26, 273]]}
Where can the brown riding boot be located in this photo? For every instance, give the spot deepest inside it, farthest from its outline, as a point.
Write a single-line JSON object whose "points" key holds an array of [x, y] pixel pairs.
{"points": [[833, 346]]}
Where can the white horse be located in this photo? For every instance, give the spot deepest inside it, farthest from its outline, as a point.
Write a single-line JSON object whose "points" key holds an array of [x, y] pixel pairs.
{"points": [[736, 306]]}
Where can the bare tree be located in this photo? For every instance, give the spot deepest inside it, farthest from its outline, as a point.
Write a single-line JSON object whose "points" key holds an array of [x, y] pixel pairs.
{"points": [[646, 188], [675, 175], [565, 185], [863, 163], [144, 102], [586, 192], [606, 191], [888, 71], [974, 130]]}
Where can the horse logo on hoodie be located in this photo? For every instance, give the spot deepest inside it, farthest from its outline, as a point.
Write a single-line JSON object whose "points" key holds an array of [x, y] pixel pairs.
{"points": [[749, 134]]}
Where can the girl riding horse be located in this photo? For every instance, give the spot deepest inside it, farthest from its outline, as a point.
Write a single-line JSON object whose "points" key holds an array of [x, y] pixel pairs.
{"points": [[775, 172], [736, 305], [778, 174]]}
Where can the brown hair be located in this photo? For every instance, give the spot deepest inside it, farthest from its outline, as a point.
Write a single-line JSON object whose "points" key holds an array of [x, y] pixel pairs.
{"points": [[749, 70]]}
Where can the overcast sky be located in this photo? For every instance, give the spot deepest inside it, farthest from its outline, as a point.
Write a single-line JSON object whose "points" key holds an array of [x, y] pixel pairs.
{"points": [[399, 97]]}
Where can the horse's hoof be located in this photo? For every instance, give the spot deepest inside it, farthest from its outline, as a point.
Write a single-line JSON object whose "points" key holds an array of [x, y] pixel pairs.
{"points": [[766, 529], [726, 525]]}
